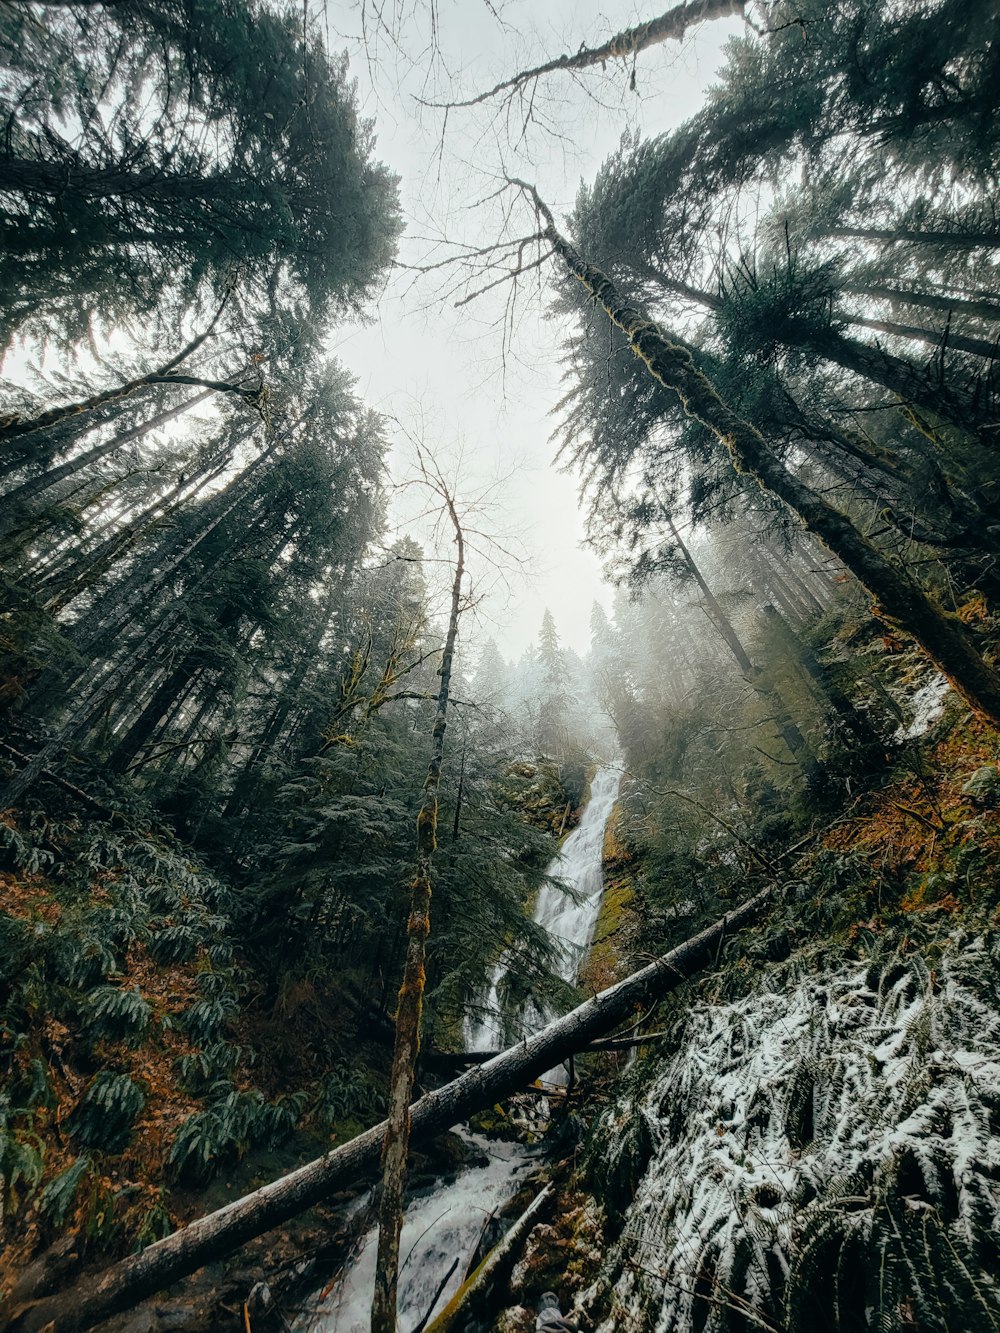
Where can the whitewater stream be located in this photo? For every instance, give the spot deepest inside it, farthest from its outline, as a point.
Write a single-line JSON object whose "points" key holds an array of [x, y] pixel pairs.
{"points": [[447, 1223]]}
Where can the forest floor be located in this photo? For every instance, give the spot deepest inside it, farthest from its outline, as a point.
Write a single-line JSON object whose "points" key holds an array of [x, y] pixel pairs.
{"points": [[909, 858]]}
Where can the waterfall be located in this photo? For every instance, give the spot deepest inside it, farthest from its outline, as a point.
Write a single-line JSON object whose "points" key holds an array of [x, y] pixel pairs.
{"points": [[449, 1221], [569, 917]]}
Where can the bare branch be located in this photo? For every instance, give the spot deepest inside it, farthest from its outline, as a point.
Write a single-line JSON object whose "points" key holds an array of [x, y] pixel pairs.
{"points": [[626, 45]]}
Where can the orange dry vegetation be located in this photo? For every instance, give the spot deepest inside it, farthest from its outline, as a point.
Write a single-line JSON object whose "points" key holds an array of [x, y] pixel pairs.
{"points": [[913, 828], [116, 1196], [28, 899]]}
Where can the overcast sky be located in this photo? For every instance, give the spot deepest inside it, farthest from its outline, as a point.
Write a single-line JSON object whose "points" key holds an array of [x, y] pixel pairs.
{"points": [[448, 374]]}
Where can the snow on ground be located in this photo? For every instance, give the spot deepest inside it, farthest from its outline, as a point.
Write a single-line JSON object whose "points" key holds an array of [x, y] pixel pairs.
{"points": [[831, 1101], [926, 704]]}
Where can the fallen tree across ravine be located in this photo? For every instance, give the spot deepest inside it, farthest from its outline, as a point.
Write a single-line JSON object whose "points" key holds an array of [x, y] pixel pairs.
{"points": [[218, 1234]]}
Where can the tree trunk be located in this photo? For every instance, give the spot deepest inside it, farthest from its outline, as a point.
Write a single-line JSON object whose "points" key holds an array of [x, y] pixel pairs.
{"points": [[716, 614], [111, 616], [166, 694], [14, 428], [945, 338], [476, 1288], [29, 453], [220, 1233], [456, 823], [898, 601], [788, 731], [53, 476], [670, 26], [68, 581], [106, 691], [790, 598], [912, 386], [961, 240], [947, 304], [246, 780], [409, 1004]]}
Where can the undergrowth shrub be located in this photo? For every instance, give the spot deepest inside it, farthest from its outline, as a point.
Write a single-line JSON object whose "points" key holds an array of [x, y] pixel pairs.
{"points": [[57, 1198], [347, 1094], [107, 1112], [234, 1122], [115, 1014]]}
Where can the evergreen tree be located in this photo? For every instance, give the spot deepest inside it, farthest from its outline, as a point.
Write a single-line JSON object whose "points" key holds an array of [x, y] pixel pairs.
{"points": [[554, 698], [243, 162]]}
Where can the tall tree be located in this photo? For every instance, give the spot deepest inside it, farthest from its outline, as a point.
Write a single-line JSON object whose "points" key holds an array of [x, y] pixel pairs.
{"points": [[899, 600], [553, 700], [243, 159], [409, 1004]]}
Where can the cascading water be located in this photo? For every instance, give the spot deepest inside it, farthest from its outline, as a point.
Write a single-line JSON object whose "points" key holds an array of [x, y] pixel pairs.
{"points": [[568, 917], [448, 1222]]}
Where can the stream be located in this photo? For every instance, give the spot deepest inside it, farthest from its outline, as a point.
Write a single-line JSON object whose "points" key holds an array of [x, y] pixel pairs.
{"points": [[448, 1222]]}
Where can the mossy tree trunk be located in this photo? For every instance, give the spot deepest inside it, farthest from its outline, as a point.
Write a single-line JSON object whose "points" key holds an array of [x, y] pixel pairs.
{"points": [[899, 602], [409, 1004]]}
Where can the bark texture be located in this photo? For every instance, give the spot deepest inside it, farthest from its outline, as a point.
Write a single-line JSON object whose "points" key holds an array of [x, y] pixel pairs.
{"points": [[409, 1005]]}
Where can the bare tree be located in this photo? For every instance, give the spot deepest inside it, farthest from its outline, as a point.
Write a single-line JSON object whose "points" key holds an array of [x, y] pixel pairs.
{"points": [[409, 1005], [672, 25]]}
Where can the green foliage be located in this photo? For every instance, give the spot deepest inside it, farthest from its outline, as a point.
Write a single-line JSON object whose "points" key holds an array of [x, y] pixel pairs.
{"points": [[219, 174], [22, 1157], [155, 1225], [57, 1198], [117, 1014], [347, 1093], [107, 1111], [203, 1021], [231, 1123], [211, 1061]]}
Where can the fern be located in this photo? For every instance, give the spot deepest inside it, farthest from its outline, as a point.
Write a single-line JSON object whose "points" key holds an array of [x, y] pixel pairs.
{"points": [[347, 1094], [825, 1150], [155, 1225], [57, 1198], [22, 1158], [203, 1021], [107, 1112], [211, 1062], [116, 1014], [174, 943], [230, 1126]]}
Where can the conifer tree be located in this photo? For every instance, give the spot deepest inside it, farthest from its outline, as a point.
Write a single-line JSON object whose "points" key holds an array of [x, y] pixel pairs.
{"points": [[243, 161]]}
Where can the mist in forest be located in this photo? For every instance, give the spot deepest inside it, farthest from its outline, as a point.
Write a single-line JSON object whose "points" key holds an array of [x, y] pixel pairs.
{"points": [[466, 470]]}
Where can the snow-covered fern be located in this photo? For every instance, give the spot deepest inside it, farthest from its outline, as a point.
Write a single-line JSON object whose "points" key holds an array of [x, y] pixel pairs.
{"points": [[823, 1154]]}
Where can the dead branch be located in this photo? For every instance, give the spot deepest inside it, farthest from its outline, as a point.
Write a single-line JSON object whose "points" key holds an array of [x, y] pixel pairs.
{"points": [[626, 45]]}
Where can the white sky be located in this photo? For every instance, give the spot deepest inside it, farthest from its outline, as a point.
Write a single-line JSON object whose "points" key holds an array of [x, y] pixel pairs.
{"points": [[441, 371]]}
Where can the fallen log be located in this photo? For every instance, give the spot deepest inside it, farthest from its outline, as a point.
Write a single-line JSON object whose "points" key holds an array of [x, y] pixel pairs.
{"points": [[479, 1282], [216, 1235], [446, 1058]]}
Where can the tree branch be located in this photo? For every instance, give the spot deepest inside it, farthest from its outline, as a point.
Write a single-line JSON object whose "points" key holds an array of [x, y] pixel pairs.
{"points": [[671, 26]]}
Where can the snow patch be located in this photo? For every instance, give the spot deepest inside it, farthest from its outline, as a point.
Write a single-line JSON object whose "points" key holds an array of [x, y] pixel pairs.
{"points": [[926, 705]]}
